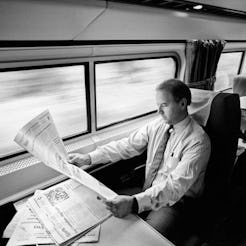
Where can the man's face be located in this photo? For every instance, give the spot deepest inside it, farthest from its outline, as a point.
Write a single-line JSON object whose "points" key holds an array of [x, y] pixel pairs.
{"points": [[171, 111]]}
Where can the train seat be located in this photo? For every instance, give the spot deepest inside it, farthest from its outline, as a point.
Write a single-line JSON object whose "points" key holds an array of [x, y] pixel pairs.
{"points": [[223, 126]]}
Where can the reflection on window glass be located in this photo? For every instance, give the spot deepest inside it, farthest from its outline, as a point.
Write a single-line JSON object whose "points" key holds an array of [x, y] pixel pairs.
{"points": [[26, 93], [228, 67], [127, 89]]}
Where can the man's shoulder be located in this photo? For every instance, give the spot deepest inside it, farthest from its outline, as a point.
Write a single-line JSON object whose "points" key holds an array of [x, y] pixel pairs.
{"points": [[198, 130]]}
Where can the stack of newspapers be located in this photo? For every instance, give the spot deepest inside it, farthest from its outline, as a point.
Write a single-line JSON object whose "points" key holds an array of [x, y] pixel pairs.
{"points": [[67, 213]]}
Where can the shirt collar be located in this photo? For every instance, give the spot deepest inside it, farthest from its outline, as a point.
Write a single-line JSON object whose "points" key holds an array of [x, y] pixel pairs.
{"points": [[180, 126]]}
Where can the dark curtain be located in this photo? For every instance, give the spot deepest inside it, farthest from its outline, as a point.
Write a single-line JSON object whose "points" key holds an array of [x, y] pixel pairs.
{"points": [[202, 57]]}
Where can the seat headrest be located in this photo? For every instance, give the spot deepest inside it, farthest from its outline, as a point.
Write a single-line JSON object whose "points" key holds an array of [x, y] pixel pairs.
{"points": [[199, 108], [225, 114]]}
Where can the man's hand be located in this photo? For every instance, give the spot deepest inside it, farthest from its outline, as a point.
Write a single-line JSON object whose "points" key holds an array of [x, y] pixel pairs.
{"points": [[120, 206], [79, 160]]}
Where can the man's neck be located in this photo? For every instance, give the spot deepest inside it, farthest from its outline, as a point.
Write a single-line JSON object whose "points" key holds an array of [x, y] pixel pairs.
{"points": [[180, 119]]}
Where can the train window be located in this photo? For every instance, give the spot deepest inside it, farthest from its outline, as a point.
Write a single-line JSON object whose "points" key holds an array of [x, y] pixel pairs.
{"points": [[228, 67], [26, 93], [125, 89]]}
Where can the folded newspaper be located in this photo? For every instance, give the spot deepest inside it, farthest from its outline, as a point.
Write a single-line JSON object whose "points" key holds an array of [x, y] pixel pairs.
{"points": [[64, 215], [25, 228]]}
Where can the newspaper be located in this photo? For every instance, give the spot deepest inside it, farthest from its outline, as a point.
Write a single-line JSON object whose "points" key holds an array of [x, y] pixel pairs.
{"points": [[29, 231], [25, 228], [63, 214], [41, 138]]}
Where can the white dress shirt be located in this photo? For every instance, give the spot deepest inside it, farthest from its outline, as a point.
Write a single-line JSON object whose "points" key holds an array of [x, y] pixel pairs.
{"points": [[182, 169]]}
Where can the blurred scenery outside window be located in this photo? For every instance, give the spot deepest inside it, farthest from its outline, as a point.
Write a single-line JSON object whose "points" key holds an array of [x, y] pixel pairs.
{"points": [[228, 67], [26, 93], [127, 89]]}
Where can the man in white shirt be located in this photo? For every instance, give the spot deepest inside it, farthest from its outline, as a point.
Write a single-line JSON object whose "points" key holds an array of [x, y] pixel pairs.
{"points": [[178, 151]]}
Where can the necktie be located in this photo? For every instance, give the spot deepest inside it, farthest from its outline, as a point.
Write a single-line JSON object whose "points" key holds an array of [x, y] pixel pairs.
{"points": [[157, 159]]}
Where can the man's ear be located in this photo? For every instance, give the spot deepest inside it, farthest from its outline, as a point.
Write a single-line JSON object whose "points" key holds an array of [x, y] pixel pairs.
{"points": [[183, 102]]}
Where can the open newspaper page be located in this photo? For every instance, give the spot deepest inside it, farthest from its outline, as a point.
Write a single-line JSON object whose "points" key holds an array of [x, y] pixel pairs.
{"points": [[25, 228], [41, 138], [64, 215]]}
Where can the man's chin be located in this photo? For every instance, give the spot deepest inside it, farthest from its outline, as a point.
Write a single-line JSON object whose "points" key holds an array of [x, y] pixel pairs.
{"points": [[165, 119]]}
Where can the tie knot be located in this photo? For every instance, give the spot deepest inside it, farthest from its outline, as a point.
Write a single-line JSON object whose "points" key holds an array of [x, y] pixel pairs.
{"points": [[170, 129]]}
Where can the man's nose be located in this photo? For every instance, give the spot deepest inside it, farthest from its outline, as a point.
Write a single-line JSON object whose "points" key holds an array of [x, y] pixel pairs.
{"points": [[160, 111]]}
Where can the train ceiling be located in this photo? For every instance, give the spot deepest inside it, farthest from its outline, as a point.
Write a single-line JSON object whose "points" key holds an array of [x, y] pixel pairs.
{"points": [[89, 20], [236, 9]]}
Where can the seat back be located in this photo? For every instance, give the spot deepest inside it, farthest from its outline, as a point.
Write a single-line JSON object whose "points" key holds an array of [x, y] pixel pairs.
{"points": [[239, 85], [223, 127]]}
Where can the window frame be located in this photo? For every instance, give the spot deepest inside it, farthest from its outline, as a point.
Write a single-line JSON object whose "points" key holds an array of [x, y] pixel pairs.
{"points": [[172, 55]]}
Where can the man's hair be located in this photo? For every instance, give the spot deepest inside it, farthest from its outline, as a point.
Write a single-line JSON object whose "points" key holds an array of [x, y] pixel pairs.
{"points": [[177, 88]]}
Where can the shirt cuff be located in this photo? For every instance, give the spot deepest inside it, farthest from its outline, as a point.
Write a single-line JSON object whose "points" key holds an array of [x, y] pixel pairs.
{"points": [[144, 202], [96, 157]]}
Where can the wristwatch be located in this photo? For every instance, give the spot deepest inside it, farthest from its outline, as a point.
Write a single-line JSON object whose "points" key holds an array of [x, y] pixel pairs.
{"points": [[135, 205]]}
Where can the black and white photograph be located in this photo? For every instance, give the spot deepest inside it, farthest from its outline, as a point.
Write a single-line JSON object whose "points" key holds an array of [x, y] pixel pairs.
{"points": [[123, 123]]}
